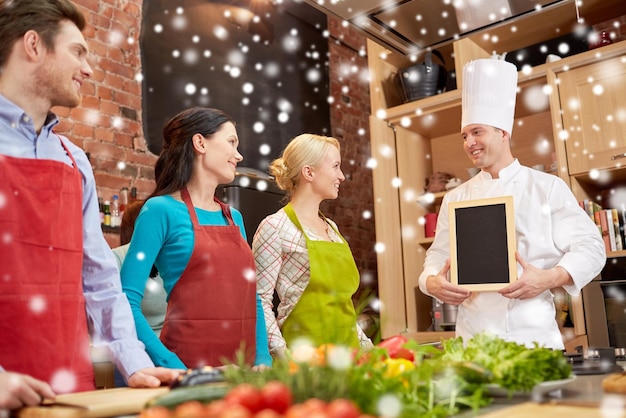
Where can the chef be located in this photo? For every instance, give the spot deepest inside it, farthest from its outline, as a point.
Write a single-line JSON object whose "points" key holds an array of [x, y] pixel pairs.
{"points": [[58, 277], [557, 243]]}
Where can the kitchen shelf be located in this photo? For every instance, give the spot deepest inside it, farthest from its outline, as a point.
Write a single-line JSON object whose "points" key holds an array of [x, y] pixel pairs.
{"points": [[426, 241], [616, 254], [429, 199], [107, 229]]}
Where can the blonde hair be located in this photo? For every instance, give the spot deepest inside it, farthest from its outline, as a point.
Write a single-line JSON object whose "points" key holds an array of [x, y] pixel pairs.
{"points": [[304, 149]]}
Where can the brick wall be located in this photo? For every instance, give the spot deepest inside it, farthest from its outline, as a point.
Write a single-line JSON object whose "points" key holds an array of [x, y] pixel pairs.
{"points": [[353, 211], [108, 124]]}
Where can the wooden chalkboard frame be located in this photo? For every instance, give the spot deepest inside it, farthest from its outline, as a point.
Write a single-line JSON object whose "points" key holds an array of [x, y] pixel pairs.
{"points": [[485, 233]]}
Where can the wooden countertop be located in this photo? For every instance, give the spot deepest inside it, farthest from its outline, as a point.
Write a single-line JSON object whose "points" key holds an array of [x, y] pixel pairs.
{"points": [[538, 410], [582, 398], [428, 336], [94, 404]]}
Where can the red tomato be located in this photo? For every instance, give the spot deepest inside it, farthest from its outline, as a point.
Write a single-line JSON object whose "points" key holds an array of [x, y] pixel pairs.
{"points": [[342, 408], [295, 411], [191, 409], [314, 406], [316, 414], [215, 408], [267, 413], [277, 396], [235, 411], [155, 412], [311, 408], [245, 395], [394, 347]]}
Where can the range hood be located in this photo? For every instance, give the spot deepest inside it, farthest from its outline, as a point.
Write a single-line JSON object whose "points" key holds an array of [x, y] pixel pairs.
{"points": [[411, 26]]}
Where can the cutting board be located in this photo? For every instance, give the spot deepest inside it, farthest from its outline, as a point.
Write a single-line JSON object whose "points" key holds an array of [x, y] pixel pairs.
{"points": [[94, 404], [539, 410]]}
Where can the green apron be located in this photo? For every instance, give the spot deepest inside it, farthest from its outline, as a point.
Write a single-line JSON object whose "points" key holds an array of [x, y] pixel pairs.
{"points": [[325, 311]]}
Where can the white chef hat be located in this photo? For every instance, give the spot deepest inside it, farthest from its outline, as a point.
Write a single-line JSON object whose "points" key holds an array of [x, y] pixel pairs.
{"points": [[489, 89]]}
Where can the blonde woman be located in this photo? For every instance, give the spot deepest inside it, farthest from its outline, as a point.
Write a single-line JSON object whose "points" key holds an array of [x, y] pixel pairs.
{"points": [[300, 254]]}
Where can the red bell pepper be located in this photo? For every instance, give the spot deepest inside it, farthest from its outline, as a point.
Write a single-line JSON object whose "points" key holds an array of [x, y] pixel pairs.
{"points": [[395, 347]]}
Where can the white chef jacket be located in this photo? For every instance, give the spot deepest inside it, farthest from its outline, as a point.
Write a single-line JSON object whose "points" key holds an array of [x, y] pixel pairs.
{"points": [[551, 230]]}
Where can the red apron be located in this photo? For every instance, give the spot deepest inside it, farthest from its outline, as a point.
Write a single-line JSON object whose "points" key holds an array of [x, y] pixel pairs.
{"points": [[211, 312], [43, 330]]}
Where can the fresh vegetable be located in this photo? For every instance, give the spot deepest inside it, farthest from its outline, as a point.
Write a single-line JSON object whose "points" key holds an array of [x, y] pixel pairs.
{"points": [[156, 412], [342, 408], [512, 366], [276, 396], [232, 411], [201, 393], [268, 413], [247, 396], [438, 383], [215, 408], [189, 409], [310, 408], [396, 366], [395, 347], [374, 376]]}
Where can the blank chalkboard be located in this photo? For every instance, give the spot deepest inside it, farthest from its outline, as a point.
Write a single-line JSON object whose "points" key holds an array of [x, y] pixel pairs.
{"points": [[482, 243]]}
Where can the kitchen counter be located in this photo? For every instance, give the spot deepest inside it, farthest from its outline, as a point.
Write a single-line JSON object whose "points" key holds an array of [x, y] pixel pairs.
{"points": [[581, 398]]}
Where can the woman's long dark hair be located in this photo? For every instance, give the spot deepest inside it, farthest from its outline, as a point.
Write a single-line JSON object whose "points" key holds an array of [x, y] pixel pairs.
{"points": [[173, 168]]}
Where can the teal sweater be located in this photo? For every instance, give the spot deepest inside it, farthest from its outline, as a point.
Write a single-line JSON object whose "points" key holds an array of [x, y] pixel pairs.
{"points": [[163, 236]]}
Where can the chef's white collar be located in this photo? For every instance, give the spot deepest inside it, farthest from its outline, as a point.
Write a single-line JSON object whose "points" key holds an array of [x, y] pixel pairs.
{"points": [[506, 173]]}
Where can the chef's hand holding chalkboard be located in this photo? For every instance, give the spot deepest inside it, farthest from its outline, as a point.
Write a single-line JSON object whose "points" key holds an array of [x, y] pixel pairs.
{"points": [[439, 287], [534, 281]]}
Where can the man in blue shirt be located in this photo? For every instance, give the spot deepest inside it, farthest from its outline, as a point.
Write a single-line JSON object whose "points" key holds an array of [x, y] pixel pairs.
{"points": [[58, 278]]}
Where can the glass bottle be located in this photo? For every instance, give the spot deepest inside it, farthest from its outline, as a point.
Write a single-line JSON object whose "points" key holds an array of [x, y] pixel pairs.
{"points": [[123, 200], [115, 211], [107, 213], [101, 208]]}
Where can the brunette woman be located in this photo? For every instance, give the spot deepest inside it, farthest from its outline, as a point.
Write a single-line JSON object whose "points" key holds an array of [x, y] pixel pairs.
{"points": [[199, 246]]}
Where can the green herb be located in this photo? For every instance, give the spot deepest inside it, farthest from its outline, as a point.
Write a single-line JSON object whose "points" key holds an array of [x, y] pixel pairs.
{"points": [[513, 366]]}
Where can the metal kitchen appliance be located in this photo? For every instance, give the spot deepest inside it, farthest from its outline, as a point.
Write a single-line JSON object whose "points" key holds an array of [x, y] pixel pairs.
{"points": [[444, 316], [605, 306], [410, 26], [595, 361]]}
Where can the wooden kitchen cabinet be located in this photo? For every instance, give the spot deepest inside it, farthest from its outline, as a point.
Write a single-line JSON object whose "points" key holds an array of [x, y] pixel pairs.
{"points": [[410, 141], [594, 115], [591, 122]]}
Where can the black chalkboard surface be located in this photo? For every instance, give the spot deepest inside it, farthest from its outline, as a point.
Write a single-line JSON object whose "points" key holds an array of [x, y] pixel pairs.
{"points": [[482, 243]]}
